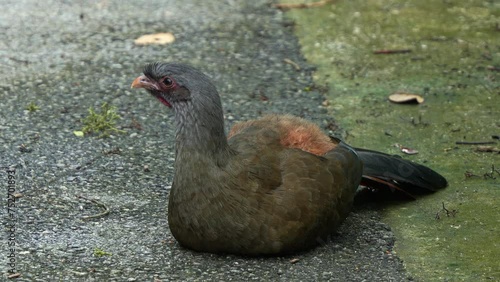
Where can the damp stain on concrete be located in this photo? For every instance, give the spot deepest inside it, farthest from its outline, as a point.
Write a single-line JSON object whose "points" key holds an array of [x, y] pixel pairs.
{"points": [[447, 52]]}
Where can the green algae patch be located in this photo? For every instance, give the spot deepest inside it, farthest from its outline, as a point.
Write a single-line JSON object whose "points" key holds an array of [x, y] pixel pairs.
{"points": [[448, 53]]}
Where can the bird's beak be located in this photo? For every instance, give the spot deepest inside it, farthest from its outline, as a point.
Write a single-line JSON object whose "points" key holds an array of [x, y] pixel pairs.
{"points": [[144, 82]]}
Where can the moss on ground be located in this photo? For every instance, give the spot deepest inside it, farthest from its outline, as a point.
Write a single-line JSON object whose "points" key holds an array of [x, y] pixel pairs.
{"points": [[453, 64]]}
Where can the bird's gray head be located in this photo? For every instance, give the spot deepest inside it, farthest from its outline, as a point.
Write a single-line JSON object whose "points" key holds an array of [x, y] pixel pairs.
{"points": [[174, 84], [194, 100]]}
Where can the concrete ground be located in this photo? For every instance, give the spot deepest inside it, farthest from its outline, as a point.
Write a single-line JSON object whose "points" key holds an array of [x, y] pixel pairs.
{"points": [[67, 56]]}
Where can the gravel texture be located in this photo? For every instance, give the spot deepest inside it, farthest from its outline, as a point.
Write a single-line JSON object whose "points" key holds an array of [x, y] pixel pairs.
{"points": [[67, 56]]}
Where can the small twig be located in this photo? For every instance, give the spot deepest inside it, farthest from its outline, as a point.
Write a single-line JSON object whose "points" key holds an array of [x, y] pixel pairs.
{"points": [[105, 212], [475, 142], [420, 122], [294, 64], [387, 51], [487, 149], [14, 275], [493, 68], [494, 170], [286, 6], [486, 175], [449, 213], [444, 208], [469, 174], [490, 174], [26, 62]]}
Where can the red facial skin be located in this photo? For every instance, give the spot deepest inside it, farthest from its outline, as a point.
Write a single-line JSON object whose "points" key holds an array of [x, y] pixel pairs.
{"points": [[165, 84]]}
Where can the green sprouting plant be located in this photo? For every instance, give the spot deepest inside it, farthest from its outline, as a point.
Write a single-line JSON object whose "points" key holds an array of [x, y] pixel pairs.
{"points": [[100, 253], [32, 107], [102, 122]]}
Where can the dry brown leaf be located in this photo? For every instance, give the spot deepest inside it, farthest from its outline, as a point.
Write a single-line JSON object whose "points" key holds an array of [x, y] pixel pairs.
{"points": [[406, 98], [285, 6], [156, 38]]}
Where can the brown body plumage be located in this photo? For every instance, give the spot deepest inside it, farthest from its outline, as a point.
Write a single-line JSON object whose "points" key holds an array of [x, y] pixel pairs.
{"points": [[267, 198]]}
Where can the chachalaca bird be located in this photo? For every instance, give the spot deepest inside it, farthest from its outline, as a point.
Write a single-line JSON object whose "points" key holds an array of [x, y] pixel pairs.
{"points": [[276, 185]]}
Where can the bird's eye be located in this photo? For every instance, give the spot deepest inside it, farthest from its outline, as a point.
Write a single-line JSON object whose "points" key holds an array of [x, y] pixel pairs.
{"points": [[167, 81]]}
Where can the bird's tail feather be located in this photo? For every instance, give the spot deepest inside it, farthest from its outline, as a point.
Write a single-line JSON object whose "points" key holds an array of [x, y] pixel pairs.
{"points": [[384, 170]]}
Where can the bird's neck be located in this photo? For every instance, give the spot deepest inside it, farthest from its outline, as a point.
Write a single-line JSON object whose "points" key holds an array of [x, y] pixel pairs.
{"points": [[200, 134]]}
